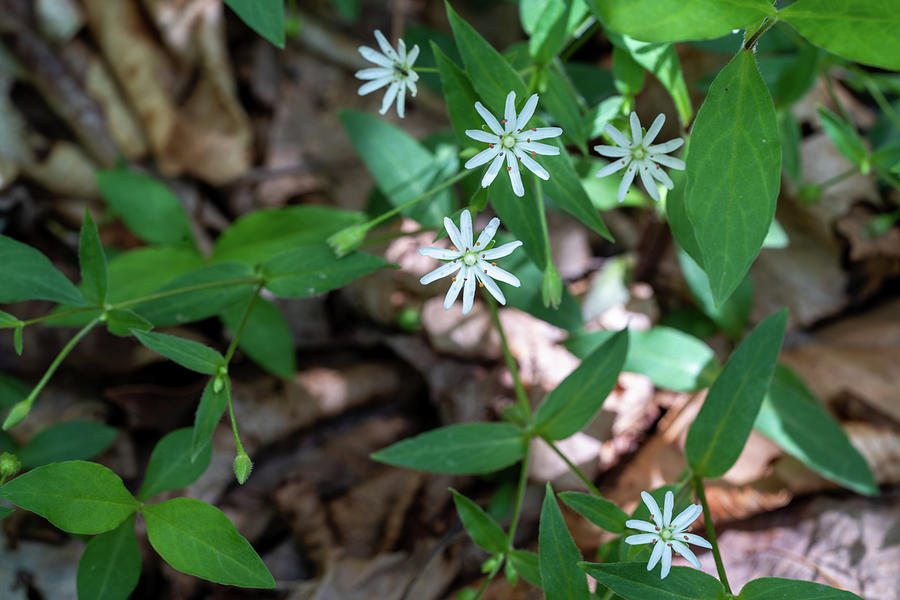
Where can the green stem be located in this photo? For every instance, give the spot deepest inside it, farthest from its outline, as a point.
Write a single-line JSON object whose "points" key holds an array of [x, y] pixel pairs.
{"points": [[587, 482], [539, 197], [59, 315], [426, 70], [185, 290], [751, 43], [837, 178], [58, 360], [521, 396], [243, 323], [520, 497], [234, 429], [439, 188], [487, 580], [711, 532]]}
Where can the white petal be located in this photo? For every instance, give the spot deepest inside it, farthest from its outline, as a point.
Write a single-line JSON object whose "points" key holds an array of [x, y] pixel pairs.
{"points": [[490, 285], [532, 165], [371, 86], [515, 178], [500, 251], [686, 517], [412, 56], [661, 175], [483, 136], [648, 182], [668, 504], [655, 555], [613, 167], [453, 292], [539, 148], [385, 45], [389, 96], [411, 84], [509, 113], [468, 291], [666, 561], [454, 234], [401, 101], [685, 552], [654, 129], [401, 50], [641, 538], [627, 178], [617, 136], [465, 228], [442, 271], [651, 504], [539, 133], [666, 147], [488, 234], [491, 121], [376, 57], [668, 161], [374, 73], [641, 525], [527, 112], [612, 151], [492, 171], [482, 157], [439, 253], [635, 129], [501, 275], [696, 540]]}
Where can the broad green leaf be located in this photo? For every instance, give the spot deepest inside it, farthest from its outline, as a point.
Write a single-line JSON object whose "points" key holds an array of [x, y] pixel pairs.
{"points": [[628, 75], [679, 20], [677, 214], [258, 236], [558, 96], [599, 511], [28, 275], [110, 566], [315, 270], [465, 449], [171, 466], [209, 413], [527, 296], [633, 581], [93, 262], [845, 139], [550, 29], [265, 17], [558, 555], [76, 496], [71, 440], [719, 432], [146, 206], [198, 539], [522, 218], [564, 187], [733, 173], [491, 75], [527, 565], [776, 588], [187, 353], [597, 118], [121, 321], [792, 417], [267, 337], [8, 320], [144, 270], [575, 401], [216, 287], [483, 530], [730, 316], [867, 31], [662, 61], [459, 95]]}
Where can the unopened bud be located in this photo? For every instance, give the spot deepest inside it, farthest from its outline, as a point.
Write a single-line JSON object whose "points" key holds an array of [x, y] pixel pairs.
{"points": [[17, 414], [552, 286], [242, 467], [348, 239], [491, 564], [9, 464]]}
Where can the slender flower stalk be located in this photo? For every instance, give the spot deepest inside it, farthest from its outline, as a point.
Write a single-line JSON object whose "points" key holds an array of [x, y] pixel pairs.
{"points": [[395, 70]]}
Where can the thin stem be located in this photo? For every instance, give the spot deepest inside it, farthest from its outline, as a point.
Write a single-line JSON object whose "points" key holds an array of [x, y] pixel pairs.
{"points": [[520, 497], [426, 70], [185, 290], [237, 438], [539, 197], [521, 396], [60, 315], [587, 482], [837, 178], [387, 215], [711, 532], [243, 323], [58, 360], [487, 580], [751, 43]]}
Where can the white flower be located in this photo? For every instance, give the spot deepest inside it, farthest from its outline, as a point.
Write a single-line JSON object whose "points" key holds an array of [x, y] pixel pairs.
{"points": [[472, 261], [667, 534], [639, 154], [513, 142], [394, 68]]}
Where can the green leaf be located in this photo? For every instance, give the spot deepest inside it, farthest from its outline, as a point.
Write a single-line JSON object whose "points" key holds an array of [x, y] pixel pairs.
{"points": [[76, 496], [775, 588], [71, 440], [187, 353], [558, 555], [575, 401], [599, 511], [719, 432], [798, 76], [8, 320], [198, 539], [633, 581], [733, 173], [11, 391], [558, 96], [866, 31], [265, 17], [110, 566], [315, 270], [5, 512], [465, 449], [267, 337], [262, 234], [17, 338], [792, 417], [459, 95], [527, 296], [845, 139], [144, 270], [491, 75], [527, 565], [93, 262], [147, 207], [171, 465], [628, 75], [564, 187], [483, 530], [679, 20], [677, 215], [548, 26], [662, 61], [523, 219], [121, 321], [28, 275], [209, 413], [730, 316]]}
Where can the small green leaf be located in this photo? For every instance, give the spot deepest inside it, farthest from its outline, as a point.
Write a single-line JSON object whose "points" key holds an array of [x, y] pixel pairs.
{"points": [[662, 61], [147, 207], [628, 75], [523, 219], [110, 566], [599, 511], [187, 353], [120, 321], [459, 94], [28, 275], [209, 413], [677, 215], [792, 417], [775, 588], [171, 465], [558, 95], [17, 338], [93, 262], [265, 17], [865, 31], [315, 270], [558, 555], [564, 187], [8, 320], [138, 272], [549, 27], [76, 496], [198, 539], [632, 581], [527, 565], [845, 139], [71, 440], [719, 432], [483, 530], [575, 401], [731, 316], [733, 173], [466, 449], [267, 337]]}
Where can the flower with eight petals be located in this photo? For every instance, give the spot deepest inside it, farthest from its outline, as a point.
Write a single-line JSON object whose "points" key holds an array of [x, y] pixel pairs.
{"points": [[395, 67]]}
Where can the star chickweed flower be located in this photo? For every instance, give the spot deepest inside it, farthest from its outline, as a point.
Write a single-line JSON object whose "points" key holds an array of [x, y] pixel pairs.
{"points": [[511, 141], [395, 67], [667, 534], [638, 154], [472, 261]]}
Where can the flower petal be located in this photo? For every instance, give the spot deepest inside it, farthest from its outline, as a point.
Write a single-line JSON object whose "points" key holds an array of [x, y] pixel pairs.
{"points": [[685, 552], [617, 136], [655, 555], [627, 178], [374, 73], [509, 112], [501, 275], [636, 135], [487, 234], [641, 538], [662, 176], [532, 165], [648, 182], [439, 253], [613, 151], [465, 228], [412, 56], [666, 147], [500, 251], [654, 129], [453, 292], [401, 51], [483, 136], [454, 234], [527, 112], [411, 84], [696, 540], [401, 100], [641, 525], [613, 167], [668, 161], [491, 121], [668, 505], [442, 271], [652, 506], [389, 96], [372, 55], [482, 157], [385, 46], [541, 133], [515, 178], [371, 86], [468, 290], [492, 171], [490, 285], [538, 148], [686, 517], [666, 561]]}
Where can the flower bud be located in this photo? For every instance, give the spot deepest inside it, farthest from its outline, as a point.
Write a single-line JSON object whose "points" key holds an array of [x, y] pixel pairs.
{"points": [[9, 465], [552, 286], [348, 239], [512, 576], [491, 564], [242, 467], [17, 414]]}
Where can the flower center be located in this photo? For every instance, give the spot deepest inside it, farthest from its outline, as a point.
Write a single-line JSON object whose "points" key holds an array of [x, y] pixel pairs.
{"points": [[509, 141], [469, 259], [666, 534], [639, 153]]}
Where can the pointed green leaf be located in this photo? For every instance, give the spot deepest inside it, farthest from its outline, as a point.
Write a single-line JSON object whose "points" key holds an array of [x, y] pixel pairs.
{"points": [[527, 565], [171, 466], [265, 17], [93, 262], [599, 511], [315, 270], [558, 96], [677, 214], [564, 187], [466, 449], [733, 173], [549, 26], [662, 61], [28, 275], [632, 581], [577, 399], [110, 566], [187, 353], [844, 138], [8, 320], [558, 555], [459, 94], [76, 496], [120, 321], [719, 432], [209, 413], [71, 440], [198, 539], [267, 337], [522, 218], [775, 588], [17, 338], [483, 530]]}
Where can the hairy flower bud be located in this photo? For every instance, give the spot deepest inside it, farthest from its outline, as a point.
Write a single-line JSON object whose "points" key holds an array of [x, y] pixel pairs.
{"points": [[9, 464], [551, 288], [17, 414], [348, 239], [242, 467]]}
